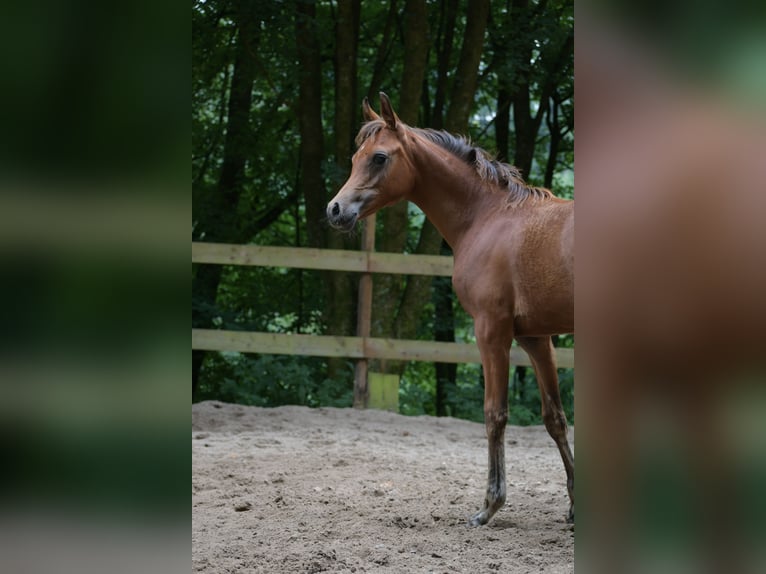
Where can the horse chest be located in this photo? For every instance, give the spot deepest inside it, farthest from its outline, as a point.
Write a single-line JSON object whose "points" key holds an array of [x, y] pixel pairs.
{"points": [[482, 284]]}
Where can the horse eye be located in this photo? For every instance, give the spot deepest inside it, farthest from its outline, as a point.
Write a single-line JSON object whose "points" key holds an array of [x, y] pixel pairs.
{"points": [[379, 158]]}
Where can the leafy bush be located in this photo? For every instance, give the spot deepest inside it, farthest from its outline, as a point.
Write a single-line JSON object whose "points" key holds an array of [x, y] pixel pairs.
{"points": [[272, 380], [466, 399], [415, 398]]}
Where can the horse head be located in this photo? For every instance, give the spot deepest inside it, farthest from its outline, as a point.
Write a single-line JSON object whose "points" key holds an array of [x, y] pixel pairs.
{"points": [[382, 172]]}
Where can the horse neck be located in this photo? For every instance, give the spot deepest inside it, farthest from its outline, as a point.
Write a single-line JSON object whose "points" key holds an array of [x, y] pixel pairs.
{"points": [[449, 192]]}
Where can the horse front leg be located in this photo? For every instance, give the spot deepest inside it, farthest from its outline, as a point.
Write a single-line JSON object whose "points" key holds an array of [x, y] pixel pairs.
{"points": [[540, 351], [494, 345]]}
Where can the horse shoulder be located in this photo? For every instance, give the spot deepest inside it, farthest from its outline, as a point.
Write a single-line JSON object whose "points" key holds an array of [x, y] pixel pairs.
{"points": [[482, 276]]}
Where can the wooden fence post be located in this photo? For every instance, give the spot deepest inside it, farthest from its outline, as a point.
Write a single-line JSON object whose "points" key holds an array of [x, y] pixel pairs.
{"points": [[364, 316]]}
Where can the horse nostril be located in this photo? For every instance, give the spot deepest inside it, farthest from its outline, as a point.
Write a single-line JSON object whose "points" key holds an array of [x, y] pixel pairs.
{"points": [[336, 209]]}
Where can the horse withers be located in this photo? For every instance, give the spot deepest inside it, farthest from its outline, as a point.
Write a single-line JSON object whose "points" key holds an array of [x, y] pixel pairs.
{"points": [[513, 247]]}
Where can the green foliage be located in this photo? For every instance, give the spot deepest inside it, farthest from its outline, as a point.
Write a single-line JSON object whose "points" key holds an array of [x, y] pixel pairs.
{"points": [[467, 397], [271, 381], [524, 405], [416, 390]]}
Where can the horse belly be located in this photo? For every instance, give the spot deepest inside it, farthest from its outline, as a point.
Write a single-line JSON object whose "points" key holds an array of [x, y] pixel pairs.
{"points": [[538, 326]]}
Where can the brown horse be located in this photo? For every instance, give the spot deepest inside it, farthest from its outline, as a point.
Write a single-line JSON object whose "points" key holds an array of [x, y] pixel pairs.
{"points": [[513, 252]]}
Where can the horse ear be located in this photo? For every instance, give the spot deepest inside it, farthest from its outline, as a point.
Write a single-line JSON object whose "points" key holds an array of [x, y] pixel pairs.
{"points": [[367, 112], [472, 156], [388, 111]]}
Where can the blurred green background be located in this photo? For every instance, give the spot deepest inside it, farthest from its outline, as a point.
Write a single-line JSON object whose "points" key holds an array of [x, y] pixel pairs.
{"points": [[94, 216]]}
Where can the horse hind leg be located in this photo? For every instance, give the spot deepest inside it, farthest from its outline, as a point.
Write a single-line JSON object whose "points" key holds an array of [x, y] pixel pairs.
{"points": [[494, 357], [540, 351]]}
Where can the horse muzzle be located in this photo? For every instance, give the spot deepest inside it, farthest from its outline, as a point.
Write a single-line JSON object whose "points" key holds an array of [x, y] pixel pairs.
{"points": [[341, 219], [346, 208]]}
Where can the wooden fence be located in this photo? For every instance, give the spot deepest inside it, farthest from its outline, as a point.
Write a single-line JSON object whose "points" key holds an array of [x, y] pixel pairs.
{"points": [[362, 347]]}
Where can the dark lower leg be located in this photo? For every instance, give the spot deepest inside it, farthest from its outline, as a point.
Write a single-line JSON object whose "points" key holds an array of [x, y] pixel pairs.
{"points": [[540, 350], [496, 489]]}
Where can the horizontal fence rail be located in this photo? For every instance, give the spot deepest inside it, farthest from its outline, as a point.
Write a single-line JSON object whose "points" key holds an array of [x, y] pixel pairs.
{"points": [[361, 348], [324, 259], [354, 347]]}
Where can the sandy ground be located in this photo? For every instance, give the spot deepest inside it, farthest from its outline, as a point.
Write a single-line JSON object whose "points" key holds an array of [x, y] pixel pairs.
{"points": [[293, 489]]}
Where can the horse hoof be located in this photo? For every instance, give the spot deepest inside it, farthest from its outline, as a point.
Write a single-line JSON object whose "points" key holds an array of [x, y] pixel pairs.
{"points": [[479, 519]]}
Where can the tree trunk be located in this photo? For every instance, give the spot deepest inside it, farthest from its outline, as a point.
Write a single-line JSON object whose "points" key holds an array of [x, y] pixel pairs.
{"points": [[341, 287], [218, 219], [503, 120], [204, 290], [346, 103], [310, 180], [416, 43], [444, 330], [552, 120], [381, 55], [456, 121], [417, 290], [467, 73], [446, 37], [501, 39], [394, 220], [526, 131], [551, 64]]}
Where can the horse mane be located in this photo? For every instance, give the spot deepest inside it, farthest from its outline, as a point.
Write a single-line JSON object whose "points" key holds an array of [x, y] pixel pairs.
{"points": [[487, 167]]}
